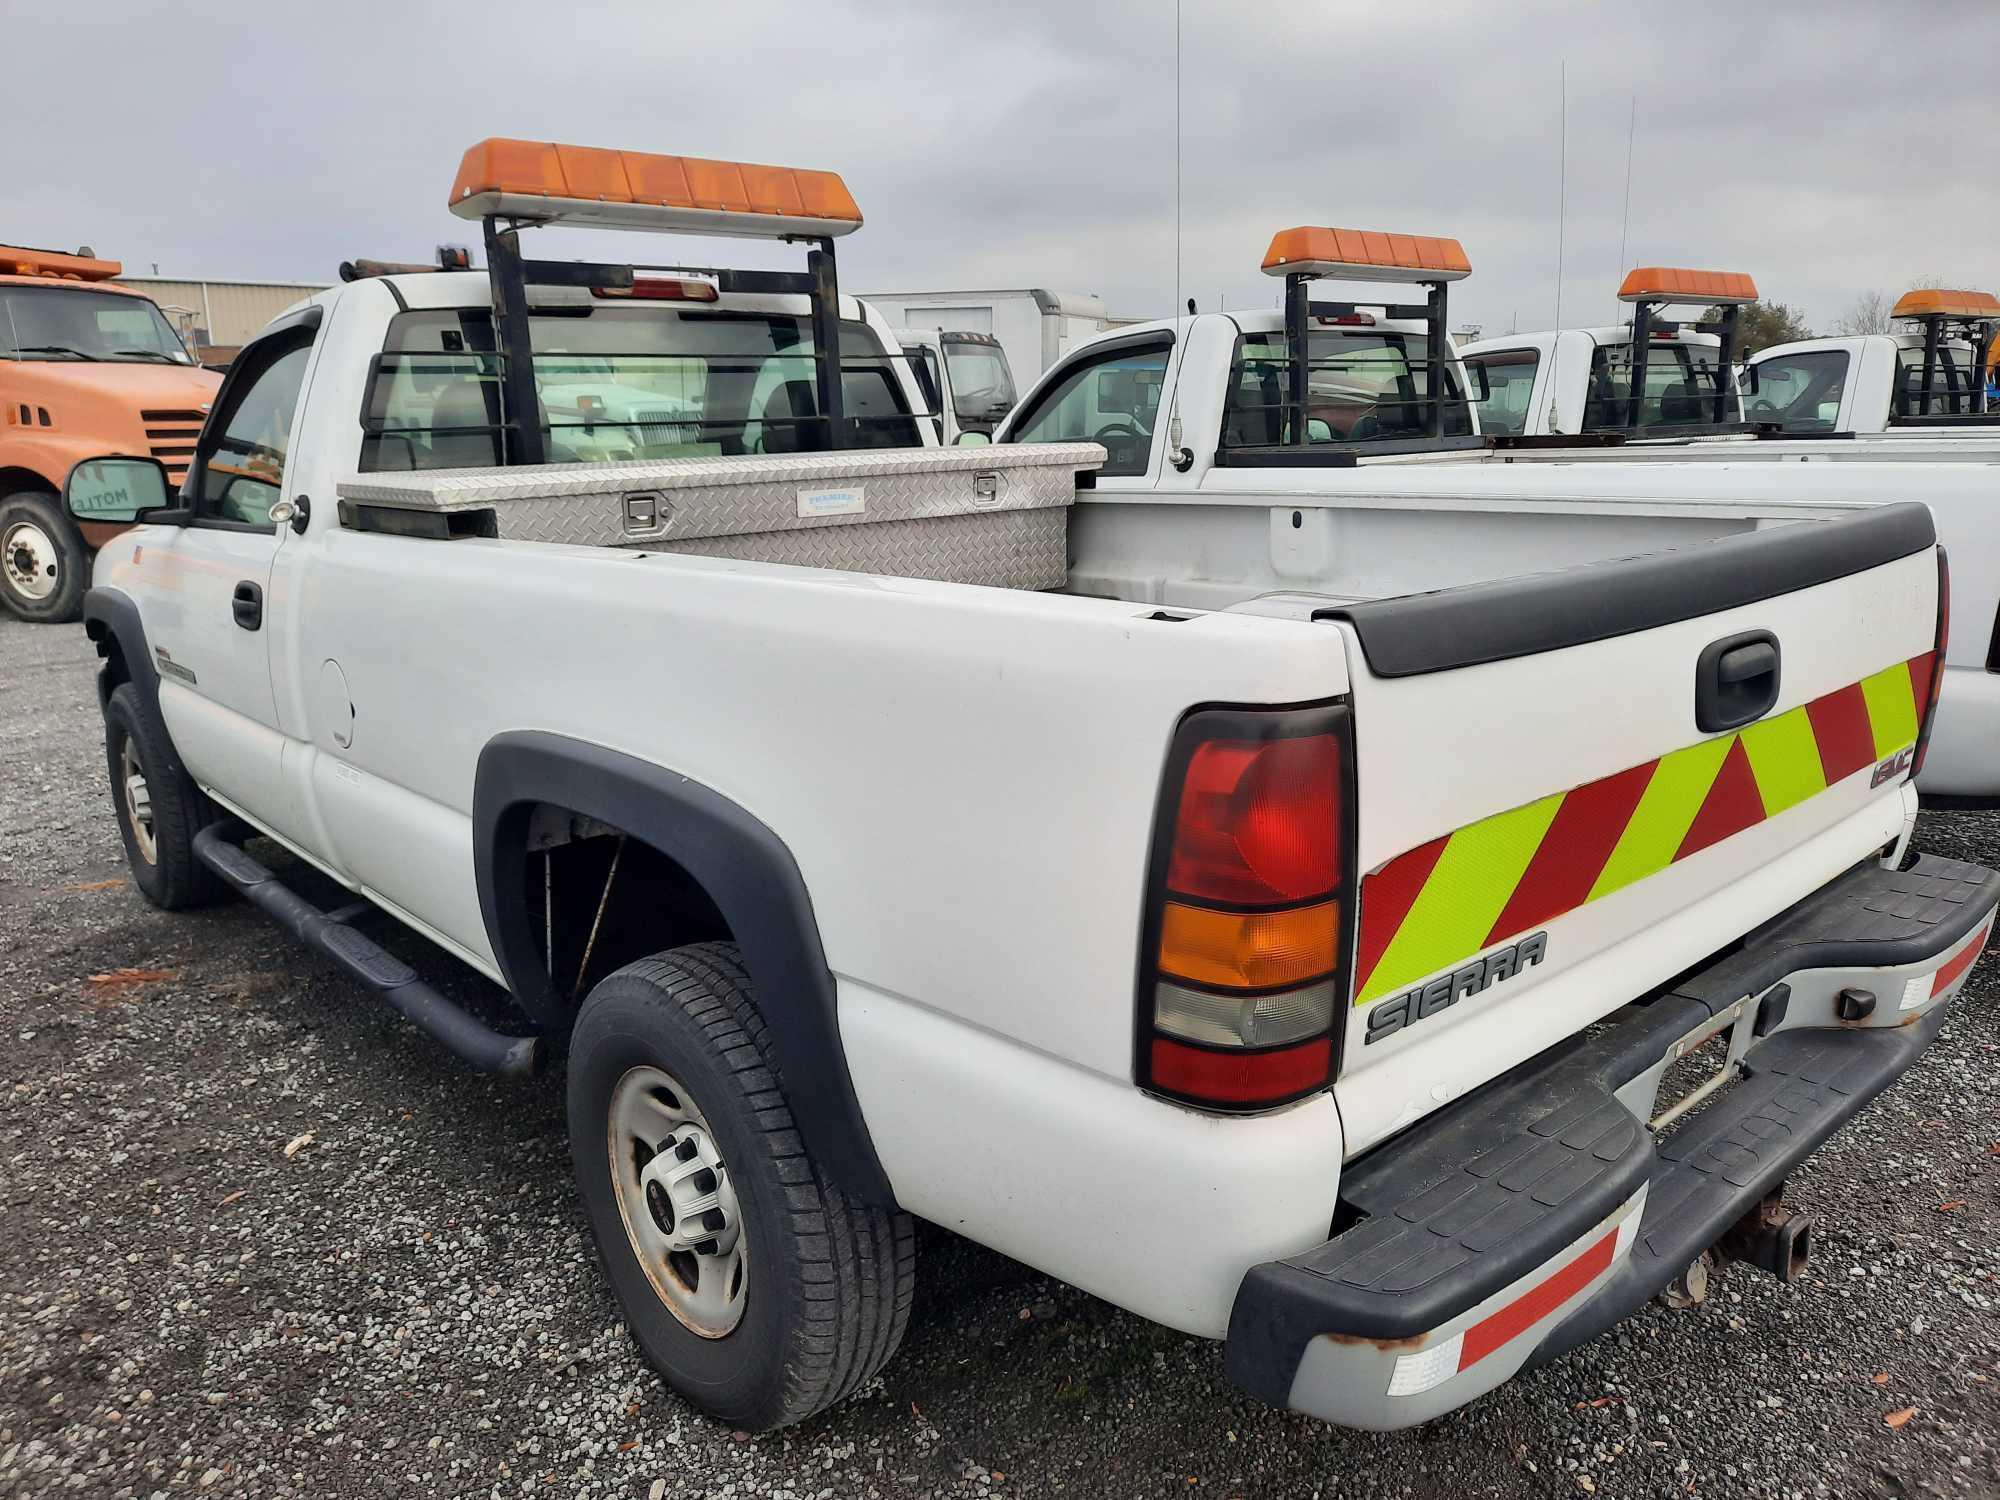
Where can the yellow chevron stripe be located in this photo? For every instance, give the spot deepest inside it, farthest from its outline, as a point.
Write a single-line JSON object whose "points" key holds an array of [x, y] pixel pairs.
{"points": [[1784, 757], [1892, 709], [1464, 896], [1663, 816]]}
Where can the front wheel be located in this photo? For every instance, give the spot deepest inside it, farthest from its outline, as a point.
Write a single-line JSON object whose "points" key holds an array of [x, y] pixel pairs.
{"points": [[44, 565], [753, 1284], [159, 808]]}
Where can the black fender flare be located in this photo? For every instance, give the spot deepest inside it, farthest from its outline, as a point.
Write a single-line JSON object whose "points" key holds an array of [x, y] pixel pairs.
{"points": [[746, 870], [110, 615]]}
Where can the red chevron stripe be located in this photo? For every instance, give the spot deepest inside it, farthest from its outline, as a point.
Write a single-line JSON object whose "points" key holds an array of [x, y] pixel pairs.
{"points": [[1733, 804], [1386, 898], [1920, 682], [1586, 829], [1840, 728]]}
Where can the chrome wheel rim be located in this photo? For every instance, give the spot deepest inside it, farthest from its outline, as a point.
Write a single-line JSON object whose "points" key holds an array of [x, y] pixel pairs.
{"points": [[138, 802], [29, 560], [677, 1201]]}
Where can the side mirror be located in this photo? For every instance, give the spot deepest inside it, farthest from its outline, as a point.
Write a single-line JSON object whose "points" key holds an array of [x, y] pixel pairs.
{"points": [[973, 439], [117, 490], [1482, 388]]}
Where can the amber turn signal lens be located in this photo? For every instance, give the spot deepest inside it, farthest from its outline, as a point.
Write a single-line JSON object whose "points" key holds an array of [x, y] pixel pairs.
{"points": [[1249, 950]]}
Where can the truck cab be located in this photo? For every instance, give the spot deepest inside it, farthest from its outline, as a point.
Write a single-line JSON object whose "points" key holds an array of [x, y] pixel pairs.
{"points": [[1927, 377], [1649, 377], [86, 368], [965, 379]]}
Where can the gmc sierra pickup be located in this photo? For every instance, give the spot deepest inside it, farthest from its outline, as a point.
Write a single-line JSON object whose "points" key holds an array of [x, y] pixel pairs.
{"points": [[1336, 978]]}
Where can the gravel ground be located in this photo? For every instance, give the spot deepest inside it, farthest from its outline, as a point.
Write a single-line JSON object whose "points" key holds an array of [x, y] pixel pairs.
{"points": [[405, 1303]]}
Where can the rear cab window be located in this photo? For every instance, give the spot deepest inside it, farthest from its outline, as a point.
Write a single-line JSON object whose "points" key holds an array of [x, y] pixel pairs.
{"points": [[1681, 382], [1360, 386], [1950, 389], [618, 383]]}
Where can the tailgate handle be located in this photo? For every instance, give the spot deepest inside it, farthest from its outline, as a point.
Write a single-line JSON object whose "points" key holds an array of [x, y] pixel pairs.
{"points": [[1735, 681]]}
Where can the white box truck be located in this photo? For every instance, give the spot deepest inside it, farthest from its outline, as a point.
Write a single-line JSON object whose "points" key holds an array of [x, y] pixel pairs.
{"points": [[1035, 326]]}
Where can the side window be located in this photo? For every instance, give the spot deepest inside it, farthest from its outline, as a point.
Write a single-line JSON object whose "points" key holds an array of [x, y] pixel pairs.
{"points": [[1800, 391], [1510, 383], [243, 460], [1111, 398]]}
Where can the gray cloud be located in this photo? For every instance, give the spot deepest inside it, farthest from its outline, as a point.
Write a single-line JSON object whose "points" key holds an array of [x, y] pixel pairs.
{"points": [[1827, 149]]}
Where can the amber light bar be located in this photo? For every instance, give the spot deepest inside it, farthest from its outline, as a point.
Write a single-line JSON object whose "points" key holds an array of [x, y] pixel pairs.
{"points": [[58, 265], [548, 183], [1932, 302], [1670, 284], [1364, 255]]}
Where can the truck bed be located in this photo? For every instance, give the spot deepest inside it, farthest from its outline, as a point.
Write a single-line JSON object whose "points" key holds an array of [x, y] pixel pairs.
{"points": [[994, 516]]}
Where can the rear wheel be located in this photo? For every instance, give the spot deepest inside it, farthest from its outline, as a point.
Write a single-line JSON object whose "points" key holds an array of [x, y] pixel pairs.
{"points": [[43, 563], [756, 1287], [159, 808]]}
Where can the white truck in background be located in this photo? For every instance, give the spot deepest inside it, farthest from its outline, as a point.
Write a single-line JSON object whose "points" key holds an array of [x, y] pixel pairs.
{"points": [[1200, 413], [1035, 326], [1646, 378], [1297, 971], [1927, 380], [966, 382]]}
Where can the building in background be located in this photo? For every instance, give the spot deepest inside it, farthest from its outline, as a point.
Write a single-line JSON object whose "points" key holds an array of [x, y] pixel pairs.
{"points": [[215, 317]]}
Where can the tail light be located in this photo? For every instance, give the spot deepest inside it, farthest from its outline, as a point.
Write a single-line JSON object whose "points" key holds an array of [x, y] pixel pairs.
{"points": [[1927, 706], [1240, 978]]}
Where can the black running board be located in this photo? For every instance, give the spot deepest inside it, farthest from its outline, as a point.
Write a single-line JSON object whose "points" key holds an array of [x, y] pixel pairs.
{"points": [[486, 1050]]}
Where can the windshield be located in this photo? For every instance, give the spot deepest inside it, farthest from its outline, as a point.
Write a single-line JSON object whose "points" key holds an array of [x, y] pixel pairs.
{"points": [[620, 383], [1360, 386], [981, 383], [65, 323], [1680, 387], [1800, 392], [1510, 382]]}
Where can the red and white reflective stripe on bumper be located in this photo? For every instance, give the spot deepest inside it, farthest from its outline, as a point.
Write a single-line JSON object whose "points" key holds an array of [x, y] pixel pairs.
{"points": [[1392, 1383], [1920, 988], [1519, 1311]]}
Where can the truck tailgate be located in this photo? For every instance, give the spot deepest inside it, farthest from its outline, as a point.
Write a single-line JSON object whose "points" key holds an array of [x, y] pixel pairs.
{"points": [[1558, 809]]}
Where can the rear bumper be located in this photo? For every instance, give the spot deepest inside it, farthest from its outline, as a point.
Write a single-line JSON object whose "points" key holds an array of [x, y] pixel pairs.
{"points": [[1507, 1229]]}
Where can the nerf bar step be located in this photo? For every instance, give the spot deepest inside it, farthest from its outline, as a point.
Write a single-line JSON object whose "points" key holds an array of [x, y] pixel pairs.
{"points": [[486, 1050]]}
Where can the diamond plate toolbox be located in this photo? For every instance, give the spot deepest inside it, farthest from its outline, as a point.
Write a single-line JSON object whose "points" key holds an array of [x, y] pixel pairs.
{"points": [[995, 516]]}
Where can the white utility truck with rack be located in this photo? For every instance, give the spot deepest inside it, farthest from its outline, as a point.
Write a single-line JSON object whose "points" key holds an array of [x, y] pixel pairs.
{"points": [[1328, 976], [1926, 380], [1380, 486], [1579, 397]]}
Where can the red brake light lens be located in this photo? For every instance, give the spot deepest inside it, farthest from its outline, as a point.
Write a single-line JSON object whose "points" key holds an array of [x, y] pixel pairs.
{"points": [[1258, 821], [1241, 1077], [661, 289]]}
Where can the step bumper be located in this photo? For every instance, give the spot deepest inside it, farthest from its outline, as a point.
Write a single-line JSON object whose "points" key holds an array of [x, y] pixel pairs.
{"points": [[1519, 1222]]}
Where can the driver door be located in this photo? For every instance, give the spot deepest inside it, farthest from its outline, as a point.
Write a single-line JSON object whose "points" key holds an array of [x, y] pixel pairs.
{"points": [[207, 611]]}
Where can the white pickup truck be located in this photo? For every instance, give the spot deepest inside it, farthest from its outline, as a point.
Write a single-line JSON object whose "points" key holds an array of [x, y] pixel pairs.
{"points": [[1925, 380], [1335, 977]]}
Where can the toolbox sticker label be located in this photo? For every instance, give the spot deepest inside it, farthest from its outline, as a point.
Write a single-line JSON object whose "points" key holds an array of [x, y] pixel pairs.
{"points": [[849, 500]]}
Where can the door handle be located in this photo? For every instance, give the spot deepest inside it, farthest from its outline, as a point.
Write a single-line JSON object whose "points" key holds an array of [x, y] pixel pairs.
{"points": [[1736, 680], [247, 604]]}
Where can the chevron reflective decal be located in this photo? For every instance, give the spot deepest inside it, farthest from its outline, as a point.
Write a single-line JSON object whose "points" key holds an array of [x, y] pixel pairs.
{"points": [[1433, 907]]}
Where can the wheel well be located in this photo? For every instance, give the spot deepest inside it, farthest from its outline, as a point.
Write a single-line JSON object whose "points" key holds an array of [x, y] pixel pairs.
{"points": [[14, 479], [597, 898]]}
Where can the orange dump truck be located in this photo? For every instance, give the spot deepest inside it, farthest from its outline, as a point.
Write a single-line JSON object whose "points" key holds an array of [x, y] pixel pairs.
{"points": [[85, 367]]}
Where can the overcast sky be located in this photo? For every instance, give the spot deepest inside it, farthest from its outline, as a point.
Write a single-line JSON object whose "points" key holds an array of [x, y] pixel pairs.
{"points": [[1825, 148]]}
